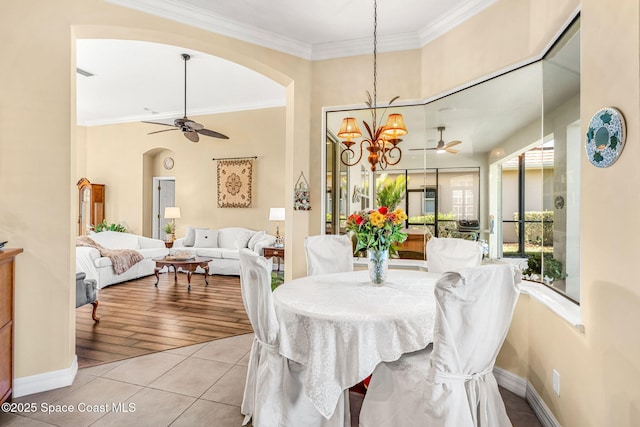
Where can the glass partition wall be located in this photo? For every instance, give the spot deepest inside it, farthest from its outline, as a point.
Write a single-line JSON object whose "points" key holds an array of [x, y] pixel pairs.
{"points": [[512, 181]]}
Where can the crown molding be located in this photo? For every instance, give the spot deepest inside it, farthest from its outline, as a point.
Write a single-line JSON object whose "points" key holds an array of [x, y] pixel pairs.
{"points": [[452, 20], [172, 115], [364, 46], [176, 10], [206, 20]]}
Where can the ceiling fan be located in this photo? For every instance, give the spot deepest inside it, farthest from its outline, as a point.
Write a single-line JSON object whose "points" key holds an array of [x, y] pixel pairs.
{"points": [[441, 147], [189, 128]]}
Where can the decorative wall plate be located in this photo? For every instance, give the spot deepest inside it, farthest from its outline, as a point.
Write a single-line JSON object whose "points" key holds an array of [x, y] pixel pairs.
{"points": [[168, 163], [605, 137]]}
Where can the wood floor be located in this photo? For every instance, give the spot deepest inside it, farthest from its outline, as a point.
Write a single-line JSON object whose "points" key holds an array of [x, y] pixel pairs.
{"points": [[137, 318]]}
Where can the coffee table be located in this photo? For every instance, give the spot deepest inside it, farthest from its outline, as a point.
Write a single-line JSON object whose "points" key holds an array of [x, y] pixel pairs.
{"points": [[188, 265]]}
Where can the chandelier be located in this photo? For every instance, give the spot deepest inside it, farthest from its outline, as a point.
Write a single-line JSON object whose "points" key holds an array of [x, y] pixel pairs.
{"points": [[381, 141]]}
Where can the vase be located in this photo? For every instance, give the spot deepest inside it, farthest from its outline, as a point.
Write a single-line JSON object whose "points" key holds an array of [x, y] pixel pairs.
{"points": [[378, 266]]}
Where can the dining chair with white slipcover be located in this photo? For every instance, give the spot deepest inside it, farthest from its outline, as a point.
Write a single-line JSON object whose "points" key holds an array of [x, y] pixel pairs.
{"points": [[452, 254], [273, 393], [262, 399], [327, 253], [451, 383]]}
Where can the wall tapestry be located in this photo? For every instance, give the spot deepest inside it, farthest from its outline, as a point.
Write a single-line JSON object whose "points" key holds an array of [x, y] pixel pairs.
{"points": [[234, 183]]}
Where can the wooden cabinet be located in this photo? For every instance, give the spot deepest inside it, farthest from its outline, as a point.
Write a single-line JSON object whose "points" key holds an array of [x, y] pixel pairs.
{"points": [[7, 257], [91, 205]]}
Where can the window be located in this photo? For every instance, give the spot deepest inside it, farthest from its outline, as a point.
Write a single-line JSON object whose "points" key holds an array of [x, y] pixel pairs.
{"points": [[451, 192]]}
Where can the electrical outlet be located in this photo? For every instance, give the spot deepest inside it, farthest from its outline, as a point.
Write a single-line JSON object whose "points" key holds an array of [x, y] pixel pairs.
{"points": [[556, 382]]}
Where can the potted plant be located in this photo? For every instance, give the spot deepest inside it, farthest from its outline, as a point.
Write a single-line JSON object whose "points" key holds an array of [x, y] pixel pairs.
{"points": [[539, 264], [390, 192], [168, 229], [105, 226]]}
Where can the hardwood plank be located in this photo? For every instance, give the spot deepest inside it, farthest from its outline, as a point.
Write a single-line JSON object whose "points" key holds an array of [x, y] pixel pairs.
{"points": [[139, 318]]}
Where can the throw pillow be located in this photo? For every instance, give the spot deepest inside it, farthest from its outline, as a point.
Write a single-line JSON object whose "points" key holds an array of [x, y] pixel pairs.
{"points": [[255, 239], [242, 241], [206, 239], [190, 235]]}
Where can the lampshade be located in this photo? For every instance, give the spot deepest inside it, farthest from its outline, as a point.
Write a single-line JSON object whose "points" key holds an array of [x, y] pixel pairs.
{"points": [[276, 214], [171, 212], [395, 126], [349, 129]]}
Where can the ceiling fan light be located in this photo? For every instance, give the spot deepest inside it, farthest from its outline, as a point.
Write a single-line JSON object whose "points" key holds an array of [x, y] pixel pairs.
{"points": [[395, 126], [349, 129]]}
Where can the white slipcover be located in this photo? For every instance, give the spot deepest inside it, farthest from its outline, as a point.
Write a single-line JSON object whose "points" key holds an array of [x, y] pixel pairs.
{"points": [[451, 384], [273, 394], [451, 254], [328, 254], [262, 398]]}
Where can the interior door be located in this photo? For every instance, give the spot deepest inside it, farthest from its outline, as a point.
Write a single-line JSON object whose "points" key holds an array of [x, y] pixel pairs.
{"points": [[165, 195]]}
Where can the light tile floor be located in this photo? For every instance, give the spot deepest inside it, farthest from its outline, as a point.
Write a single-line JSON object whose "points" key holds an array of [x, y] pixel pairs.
{"points": [[199, 385]]}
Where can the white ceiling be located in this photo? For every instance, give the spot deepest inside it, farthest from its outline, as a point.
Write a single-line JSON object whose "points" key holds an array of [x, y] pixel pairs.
{"points": [[318, 29], [135, 81]]}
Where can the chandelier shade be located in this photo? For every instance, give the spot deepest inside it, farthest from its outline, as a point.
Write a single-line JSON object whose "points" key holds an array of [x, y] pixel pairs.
{"points": [[349, 129], [395, 126]]}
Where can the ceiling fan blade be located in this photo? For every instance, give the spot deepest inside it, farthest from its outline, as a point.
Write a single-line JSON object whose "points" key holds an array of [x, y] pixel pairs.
{"points": [[451, 150], [422, 149], [163, 130], [453, 144], [192, 136], [211, 133], [189, 128], [158, 123], [193, 125]]}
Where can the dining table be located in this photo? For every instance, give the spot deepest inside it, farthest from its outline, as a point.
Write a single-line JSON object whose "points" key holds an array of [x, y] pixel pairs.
{"points": [[340, 326]]}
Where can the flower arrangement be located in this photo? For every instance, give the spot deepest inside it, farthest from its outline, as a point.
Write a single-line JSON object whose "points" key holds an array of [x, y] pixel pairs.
{"points": [[379, 229]]}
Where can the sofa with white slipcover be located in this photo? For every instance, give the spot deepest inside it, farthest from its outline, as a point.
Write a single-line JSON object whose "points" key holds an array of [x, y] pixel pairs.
{"points": [[99, 268], [223, 245]]}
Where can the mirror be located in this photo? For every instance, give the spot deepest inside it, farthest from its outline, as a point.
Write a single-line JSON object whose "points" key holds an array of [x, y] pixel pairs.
{"points": [[514, 181]]}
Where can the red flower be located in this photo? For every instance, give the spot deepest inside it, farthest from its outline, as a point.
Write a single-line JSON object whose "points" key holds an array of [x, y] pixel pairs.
{"points": [[359, 219], [383, 210]]}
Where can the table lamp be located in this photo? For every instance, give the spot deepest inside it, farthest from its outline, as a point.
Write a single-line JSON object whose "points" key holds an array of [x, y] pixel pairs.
{"points": [[172, 212], [277, 214]]}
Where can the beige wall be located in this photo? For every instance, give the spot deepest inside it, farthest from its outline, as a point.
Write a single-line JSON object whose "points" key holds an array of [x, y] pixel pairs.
{"points": [[39, 35], [116, 158], [600, 368]]}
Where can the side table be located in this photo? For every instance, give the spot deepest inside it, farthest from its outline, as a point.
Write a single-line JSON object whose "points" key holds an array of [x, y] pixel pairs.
{"points": [[271, 252]]}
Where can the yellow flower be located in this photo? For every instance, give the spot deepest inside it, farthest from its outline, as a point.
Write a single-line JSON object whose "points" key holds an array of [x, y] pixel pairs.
{"points": [[377, 219], [400, 215]]}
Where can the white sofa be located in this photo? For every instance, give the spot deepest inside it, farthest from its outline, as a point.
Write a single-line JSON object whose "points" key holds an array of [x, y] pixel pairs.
{"points": [[223, 246], [100, 268]]}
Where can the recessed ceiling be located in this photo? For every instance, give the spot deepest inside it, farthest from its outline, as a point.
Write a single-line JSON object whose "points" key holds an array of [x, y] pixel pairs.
{"points": [[318, 29], [134, 80]]}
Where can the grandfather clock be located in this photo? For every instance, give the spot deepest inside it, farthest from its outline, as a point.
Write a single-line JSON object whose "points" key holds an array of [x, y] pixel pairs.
{"points": [[91, 205]]}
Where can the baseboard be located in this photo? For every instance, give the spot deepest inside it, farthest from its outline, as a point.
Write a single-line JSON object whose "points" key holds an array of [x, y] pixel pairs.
{"points": [[540, 408], [523, 388], [25, 386], [515, 384]]}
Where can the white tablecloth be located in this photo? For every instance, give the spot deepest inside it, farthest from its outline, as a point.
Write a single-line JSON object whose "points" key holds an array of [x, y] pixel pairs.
{"points": [[340, 326]]}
